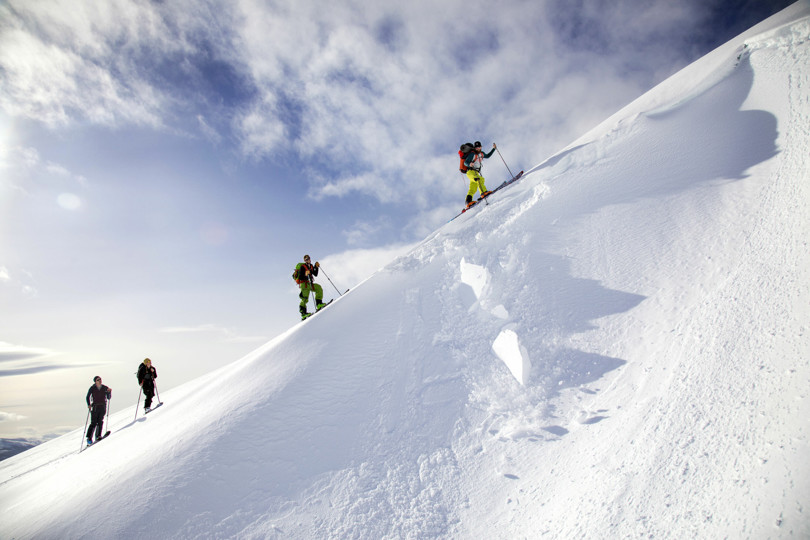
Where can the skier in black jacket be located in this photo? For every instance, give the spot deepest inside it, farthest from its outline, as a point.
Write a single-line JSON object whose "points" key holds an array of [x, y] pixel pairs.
{"points": [[146, 379], [99, 393]]}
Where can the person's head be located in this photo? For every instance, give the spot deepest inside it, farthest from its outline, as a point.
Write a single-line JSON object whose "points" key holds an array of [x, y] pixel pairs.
{"points": [[147, 362], [306, 259], [477, 145], [97, 380]]}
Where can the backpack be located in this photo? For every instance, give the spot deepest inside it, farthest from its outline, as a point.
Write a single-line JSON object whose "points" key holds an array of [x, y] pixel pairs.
{"points": [[299, 274], [465, 149]]}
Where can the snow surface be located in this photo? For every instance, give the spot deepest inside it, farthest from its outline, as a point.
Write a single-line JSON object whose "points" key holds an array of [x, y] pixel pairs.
{"points": [[648, 286]]}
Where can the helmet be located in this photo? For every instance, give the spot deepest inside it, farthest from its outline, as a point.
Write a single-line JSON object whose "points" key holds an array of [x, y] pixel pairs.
{"points": [[478, 144]]}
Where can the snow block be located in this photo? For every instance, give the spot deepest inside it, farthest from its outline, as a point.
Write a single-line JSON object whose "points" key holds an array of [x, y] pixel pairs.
{"points": [[508, 348], [475, 276]]}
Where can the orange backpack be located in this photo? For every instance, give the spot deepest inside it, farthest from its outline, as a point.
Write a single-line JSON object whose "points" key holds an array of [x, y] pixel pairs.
{"points": [[465, 149]]}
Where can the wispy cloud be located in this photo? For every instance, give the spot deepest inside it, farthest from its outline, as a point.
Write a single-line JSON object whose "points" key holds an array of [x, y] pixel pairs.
{"points": [[349, 268], [10, 352], [10, 417], [22, 360], [224, 333], [370, 94], [23, 285]]}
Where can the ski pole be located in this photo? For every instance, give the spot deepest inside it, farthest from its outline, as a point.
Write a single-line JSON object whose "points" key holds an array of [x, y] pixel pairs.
{"points": [[138, 403], [312, 293], [504, 162], [108, 412], [157, 393], [85, 429], [330, 281]]}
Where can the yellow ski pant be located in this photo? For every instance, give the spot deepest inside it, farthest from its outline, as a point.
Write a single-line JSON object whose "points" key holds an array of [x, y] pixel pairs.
{"points": [[476, 182]]}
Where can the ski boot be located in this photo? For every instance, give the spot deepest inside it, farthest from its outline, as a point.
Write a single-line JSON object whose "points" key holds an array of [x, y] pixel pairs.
{"points": [[89, 441], [319, 304], [303, 310]]}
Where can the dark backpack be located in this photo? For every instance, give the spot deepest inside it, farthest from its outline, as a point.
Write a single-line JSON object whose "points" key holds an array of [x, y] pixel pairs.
{"points": [[465, 149]]}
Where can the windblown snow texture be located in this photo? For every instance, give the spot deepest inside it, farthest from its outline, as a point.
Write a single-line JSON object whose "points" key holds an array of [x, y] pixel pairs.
{"points": [[616, 346]]}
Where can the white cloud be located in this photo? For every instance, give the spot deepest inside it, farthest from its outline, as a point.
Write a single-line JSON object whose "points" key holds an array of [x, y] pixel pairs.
{"points": [[226, 334], [69, 201], [9, 352], [15, 282], [347, 269], [10, 417], [371, 95]]}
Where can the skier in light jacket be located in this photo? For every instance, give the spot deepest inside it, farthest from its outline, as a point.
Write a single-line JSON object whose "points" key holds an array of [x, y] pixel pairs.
{"points": [[474, 161]]}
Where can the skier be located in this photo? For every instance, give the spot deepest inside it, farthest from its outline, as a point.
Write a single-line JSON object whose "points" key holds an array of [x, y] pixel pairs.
{"points": [[474, 161], [304, 275], [99, 393], [146, 379]]}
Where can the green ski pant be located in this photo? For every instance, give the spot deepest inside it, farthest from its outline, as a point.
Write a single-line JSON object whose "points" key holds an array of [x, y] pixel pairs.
{"points": [[304, 295]]}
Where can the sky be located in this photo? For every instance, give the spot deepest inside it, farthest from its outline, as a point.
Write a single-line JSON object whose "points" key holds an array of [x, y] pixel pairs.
{"points": [[164, 166]]}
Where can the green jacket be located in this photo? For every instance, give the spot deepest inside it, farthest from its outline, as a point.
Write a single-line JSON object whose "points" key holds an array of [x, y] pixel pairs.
{"points": [[300, 275]]}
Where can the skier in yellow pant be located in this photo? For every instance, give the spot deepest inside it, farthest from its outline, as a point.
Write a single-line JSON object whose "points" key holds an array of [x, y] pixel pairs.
{"points": [[474, 161]]}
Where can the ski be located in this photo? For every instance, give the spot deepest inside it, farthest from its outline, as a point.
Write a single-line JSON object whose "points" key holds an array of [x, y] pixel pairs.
{"points": [[96, 441], [506, 183], [308, 315], [153, 408]]}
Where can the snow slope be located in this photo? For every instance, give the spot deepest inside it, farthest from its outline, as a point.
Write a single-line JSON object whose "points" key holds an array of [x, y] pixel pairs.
{"points": [[615, 346]]}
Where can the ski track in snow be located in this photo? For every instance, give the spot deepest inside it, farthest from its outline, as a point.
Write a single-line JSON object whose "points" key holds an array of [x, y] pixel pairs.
{"points": [[616, 346]]}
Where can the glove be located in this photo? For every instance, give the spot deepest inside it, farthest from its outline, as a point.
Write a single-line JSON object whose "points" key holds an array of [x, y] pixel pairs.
{"points": [[317, 264], [493, 145]]}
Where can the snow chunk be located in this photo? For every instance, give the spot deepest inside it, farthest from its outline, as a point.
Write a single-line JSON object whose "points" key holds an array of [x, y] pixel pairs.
{"points": [[500, 312], [508, 348], [475, 276]]}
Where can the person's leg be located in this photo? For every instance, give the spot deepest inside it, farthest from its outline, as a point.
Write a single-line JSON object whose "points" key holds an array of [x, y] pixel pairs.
{"points": [[92, 427], [481, 184], [318, 294], [99, 422]]}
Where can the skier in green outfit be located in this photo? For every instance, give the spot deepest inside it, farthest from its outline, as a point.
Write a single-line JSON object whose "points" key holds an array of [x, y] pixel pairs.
{"points": [[304, 275]]}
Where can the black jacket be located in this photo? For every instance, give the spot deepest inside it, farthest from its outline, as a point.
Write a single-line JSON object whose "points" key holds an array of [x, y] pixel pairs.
{"points": [[100, 395], [146, 375]]}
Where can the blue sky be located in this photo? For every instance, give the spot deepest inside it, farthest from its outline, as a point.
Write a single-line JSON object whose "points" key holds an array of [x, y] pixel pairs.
{"points": [[164, 165]]}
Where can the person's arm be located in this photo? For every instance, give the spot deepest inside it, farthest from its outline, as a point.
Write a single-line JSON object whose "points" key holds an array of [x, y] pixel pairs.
{"points": [[87, 399]]}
